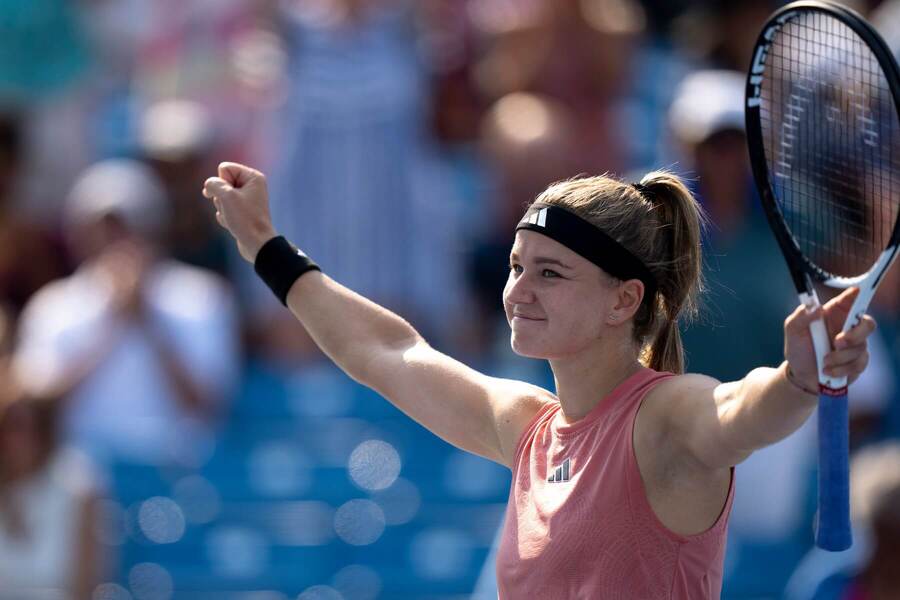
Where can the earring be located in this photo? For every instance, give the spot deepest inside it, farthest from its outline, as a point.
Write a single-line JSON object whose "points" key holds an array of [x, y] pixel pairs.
{"points": [[613, 317]]}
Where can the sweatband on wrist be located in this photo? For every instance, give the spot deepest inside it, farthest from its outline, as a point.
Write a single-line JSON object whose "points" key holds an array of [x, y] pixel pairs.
{"points": [[582, 237], [279, 264]]}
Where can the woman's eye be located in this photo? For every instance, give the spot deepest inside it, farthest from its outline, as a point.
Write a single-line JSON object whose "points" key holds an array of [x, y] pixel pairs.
{"points": [[518, 269]]}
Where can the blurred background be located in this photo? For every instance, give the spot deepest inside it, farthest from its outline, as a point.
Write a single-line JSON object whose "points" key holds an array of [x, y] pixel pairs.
{"points": [[168, 431]]}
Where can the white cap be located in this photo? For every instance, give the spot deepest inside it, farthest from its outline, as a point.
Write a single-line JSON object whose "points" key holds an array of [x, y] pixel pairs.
{"points": [[172, 129], [122, 187], [707, 102]]}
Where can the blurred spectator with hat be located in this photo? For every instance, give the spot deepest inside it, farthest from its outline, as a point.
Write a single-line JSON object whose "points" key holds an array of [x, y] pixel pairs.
{"points": [[176, 137], [142, 348]]}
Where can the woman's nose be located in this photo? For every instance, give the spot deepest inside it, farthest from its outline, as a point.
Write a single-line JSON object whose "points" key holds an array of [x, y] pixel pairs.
{"points": [[518, 288]]}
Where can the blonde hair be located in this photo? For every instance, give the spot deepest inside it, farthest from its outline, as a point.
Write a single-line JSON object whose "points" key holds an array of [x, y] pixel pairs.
{"points": [[662, 225]]}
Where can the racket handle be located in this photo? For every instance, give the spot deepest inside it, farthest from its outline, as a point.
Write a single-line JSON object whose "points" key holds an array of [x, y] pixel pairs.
{"points": [[833, 519]]}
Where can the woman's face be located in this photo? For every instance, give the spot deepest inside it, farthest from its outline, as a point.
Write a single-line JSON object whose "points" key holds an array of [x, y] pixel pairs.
{"points": [[555, 300]]}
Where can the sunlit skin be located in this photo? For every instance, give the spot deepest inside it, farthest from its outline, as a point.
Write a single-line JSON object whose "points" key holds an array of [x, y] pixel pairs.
{"points": [[574, 315]]}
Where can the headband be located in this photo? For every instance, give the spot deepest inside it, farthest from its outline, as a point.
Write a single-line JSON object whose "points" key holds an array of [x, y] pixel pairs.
{"points": [[585, 239]]}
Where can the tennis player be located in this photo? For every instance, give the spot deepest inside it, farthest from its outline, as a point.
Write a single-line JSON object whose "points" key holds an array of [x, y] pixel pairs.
{"points": [[622, 482]]}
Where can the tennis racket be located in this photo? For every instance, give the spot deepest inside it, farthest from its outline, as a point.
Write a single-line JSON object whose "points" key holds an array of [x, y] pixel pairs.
{"points": [[823, 132]]}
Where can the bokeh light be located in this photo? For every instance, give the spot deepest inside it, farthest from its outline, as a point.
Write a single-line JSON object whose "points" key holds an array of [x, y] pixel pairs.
{"points": [[150, 581], [161, 520], [237, 552], [357, 582], [320, 592], [198, 498], [374, 465], [300, 523], [400, 502], [359, 522], [279, 468], [110, 591]]}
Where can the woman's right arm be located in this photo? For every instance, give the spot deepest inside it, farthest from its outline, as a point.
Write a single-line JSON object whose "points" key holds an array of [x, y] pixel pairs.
{"points": [[480, 414]]}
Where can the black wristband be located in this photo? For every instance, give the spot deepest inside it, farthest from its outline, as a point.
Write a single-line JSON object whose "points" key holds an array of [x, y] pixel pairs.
{"points": [[279, 264]]}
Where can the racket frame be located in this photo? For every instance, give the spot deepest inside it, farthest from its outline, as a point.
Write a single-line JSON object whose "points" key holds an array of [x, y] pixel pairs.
{"points": [[833, 527]]}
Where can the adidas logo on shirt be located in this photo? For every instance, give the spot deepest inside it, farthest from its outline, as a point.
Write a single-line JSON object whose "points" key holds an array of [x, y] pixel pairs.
{"points": [[562, 473]]}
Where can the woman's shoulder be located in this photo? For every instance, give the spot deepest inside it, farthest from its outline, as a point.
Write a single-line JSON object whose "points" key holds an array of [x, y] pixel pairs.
{"points": [[674, 398], [681, 384]]}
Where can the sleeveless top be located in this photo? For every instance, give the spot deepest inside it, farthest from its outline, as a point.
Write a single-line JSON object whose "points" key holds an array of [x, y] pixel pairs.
{"points": [[579, 524]]}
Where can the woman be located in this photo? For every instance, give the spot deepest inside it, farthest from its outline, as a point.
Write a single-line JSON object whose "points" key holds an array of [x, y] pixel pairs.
{"points": [[48, 503], [622, 481]]}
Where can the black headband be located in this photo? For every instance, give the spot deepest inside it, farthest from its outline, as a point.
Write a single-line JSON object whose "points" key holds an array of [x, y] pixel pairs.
{"points": [[584, 239]]}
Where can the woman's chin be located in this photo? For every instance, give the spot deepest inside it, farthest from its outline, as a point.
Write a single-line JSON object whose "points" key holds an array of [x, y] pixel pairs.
{"points": [[526, 350]]}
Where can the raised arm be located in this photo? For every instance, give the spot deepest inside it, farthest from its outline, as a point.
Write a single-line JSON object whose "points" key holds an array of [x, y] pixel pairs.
{"points": [[379, 349], [721, 424]]}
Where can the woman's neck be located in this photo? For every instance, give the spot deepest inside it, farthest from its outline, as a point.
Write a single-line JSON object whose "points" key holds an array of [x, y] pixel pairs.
{"points": [[583, 381]]}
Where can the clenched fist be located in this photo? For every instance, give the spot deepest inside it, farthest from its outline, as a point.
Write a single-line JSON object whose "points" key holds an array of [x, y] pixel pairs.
{"points": [[242, 206]]}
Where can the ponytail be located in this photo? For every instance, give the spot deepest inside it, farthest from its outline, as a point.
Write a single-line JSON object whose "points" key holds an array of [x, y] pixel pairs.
{"points": [[678, 269]]}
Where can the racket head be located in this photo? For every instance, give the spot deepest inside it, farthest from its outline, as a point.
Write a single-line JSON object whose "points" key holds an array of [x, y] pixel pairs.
{"points": [[823, 132]]}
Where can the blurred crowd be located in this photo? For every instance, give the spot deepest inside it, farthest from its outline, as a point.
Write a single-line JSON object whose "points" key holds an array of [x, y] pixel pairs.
{"points": [[402, 139]]}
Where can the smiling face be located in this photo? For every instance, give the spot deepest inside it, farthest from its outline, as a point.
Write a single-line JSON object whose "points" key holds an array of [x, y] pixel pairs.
{"points": [[557, 302]]}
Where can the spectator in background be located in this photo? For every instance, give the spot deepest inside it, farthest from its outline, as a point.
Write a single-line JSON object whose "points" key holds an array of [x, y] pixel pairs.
{"points": [[142, 348], [869, 570], [886, 19], [749, 285], [177, 138], [20, 238], [48, 504], [722, 33], [550, 118], [356, 173]]}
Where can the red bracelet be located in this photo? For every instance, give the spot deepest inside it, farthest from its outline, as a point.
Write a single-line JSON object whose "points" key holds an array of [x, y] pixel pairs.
{"points": [[796, 384]]}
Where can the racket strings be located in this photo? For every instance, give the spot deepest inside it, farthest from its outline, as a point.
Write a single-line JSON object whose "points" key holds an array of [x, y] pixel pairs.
{"points": [[832, 140]]}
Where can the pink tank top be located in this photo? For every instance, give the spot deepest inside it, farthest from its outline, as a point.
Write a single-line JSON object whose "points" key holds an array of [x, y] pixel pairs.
{"points": [[578, 523]]}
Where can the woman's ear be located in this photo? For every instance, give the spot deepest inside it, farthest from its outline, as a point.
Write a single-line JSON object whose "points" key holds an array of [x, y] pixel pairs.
{"points": [[628, 300]]}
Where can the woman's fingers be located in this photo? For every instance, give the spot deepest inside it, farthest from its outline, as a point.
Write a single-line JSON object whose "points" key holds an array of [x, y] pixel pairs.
{"points": [[798, 321], [839, 363], [856, 334], [236, 174], [838, 308], [216, 186], [851, 369], [850, 355]]}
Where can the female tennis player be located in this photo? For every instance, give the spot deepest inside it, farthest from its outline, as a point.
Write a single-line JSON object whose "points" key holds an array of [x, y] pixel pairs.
{"points": [[623, 480]]}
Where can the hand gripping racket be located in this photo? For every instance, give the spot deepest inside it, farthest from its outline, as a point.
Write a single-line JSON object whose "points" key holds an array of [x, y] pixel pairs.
{"points": [[823, 130]]}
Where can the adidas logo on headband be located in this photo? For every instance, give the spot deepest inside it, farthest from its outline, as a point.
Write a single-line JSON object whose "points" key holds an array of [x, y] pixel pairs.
{"points": [[538, 218]]}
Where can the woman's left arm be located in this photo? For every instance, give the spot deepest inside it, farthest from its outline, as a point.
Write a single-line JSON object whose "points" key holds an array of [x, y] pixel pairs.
{"points": [[721, 424]]}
